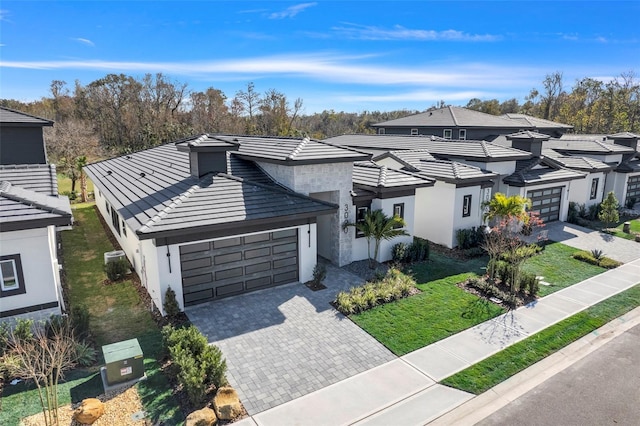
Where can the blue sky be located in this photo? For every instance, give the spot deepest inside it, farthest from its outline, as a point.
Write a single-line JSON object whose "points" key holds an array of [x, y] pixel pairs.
{"points": [[341, 55]]}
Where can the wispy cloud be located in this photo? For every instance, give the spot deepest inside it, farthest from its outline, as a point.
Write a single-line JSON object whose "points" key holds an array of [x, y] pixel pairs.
{"points": [[291, 11], [84, 41], [420, 96], [340, 69], [4, 13], [398, 32]]}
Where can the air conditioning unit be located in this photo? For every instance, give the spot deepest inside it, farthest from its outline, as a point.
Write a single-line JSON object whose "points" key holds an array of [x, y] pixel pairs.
{"points": [[112, 256]]}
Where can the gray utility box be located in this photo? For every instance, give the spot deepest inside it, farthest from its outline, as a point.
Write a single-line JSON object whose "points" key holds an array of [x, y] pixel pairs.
{"points": [[124, 361]]}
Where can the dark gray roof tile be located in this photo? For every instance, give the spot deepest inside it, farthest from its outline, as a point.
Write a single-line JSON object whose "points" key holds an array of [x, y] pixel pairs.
{"points": [[538, 171], [9, 116], [452, 116], [36, 177]]}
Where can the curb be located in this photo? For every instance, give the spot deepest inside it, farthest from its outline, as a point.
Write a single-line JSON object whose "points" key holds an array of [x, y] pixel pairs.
{"points": [[483, 405]]}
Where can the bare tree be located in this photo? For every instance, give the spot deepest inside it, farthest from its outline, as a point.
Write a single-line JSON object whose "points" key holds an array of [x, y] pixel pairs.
{"points": [[44, 359]]}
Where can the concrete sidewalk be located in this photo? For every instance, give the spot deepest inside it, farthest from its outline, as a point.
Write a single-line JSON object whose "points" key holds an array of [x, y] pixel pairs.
{"points": [[405, 391]]}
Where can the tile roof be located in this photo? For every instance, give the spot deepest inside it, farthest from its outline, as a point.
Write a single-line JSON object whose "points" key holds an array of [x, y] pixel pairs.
{"points": [[535, 122], [422, 162], [586, 146], [153, 191], [452, 116], [576, 162], [36, 177], [205, 141], [292, 150], [22, 208], [10, 116], [373, 175], [442, 148], [630, 166], [538, 171], [527, 135]]}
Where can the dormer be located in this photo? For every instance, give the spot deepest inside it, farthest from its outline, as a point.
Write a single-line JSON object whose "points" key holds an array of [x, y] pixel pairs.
{"points": [[528, 141], [207, 154]]}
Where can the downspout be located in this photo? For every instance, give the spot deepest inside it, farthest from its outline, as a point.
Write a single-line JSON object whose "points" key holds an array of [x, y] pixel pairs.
{"points": [[168, 255]]}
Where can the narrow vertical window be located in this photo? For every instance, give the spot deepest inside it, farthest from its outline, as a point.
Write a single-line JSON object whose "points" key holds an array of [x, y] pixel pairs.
{"points": [[361, 212], [398, 210], [466, 206], [594, 189]]}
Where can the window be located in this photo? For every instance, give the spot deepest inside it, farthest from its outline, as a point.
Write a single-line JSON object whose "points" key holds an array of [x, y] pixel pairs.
{"points": [[594, 189], [414, 132], [462, 134], [115, 219], [466, 206], [107, 206], [124, 228], [361, 212], [381, 131], [447, 134], [398, 210], [11, 278]]}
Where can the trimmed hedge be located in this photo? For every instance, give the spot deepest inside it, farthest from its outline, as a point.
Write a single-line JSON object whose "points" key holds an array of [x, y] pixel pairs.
{"points": [[603, 262], [395, 285]]}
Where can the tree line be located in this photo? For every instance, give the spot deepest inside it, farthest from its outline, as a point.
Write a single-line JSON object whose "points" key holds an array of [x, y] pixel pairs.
{"points": [[119, 113]]}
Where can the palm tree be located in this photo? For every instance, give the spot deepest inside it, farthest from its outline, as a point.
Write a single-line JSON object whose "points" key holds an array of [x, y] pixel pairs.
{"points": [[377, 226], [503, 207]]}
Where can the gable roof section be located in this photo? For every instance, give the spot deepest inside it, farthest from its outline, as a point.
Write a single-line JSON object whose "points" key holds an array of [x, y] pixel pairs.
{"points": [[422, 162], [535, 122], [442, 148], [386, 182], [452, 116], [292, 151], [539, 171], [576, 162], [36, 177], [12, 117], [154, 192], [22, 208]]}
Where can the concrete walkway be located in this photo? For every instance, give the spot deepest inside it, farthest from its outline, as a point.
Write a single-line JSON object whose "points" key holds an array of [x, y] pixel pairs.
{"points": [[588, 239], [405, 391]]}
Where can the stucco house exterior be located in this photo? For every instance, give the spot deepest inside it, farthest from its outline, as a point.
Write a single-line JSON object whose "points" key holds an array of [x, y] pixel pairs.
{"points": [[213, 216], [31, 213]]}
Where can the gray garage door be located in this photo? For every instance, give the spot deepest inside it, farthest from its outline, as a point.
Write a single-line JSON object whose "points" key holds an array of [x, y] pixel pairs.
{"points": [[546, 202], [216, 269], [633, 188]]}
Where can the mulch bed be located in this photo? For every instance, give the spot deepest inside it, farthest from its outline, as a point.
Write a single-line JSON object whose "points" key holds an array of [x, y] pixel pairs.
{"points": [[521, 299]]}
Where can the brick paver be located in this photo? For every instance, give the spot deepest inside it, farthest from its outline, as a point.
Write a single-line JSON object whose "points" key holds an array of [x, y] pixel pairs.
{"points": [[285, 342]]}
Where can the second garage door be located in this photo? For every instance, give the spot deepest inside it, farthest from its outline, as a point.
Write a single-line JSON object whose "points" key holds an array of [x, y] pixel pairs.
{"points": [[546, 202], [221, 268]]}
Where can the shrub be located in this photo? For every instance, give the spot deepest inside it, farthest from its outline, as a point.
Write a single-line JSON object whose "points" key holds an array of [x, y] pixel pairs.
{"points": [[529, 283], [572, 213], [395, 285], [592, 212], [170, 304], [198, 364], [597, 254], [399, 252], [5, 332], [474, 252], [608, 263], [23, 329], [80, 319], [470, 237], [85, 354], [418, 250], [116, 269], [55, 324], [630, 202], [319, 273], [585, 256]]}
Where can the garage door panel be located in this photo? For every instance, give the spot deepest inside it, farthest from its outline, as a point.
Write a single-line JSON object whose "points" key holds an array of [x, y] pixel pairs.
{"points": [[236, 265], [546, 202], [198, 247]]}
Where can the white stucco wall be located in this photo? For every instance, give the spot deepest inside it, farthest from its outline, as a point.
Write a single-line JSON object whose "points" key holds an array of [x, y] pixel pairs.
{"points": [[434, 213], [321, 178], [474, 218], [39, 268], [360, 244], [580, 189]]}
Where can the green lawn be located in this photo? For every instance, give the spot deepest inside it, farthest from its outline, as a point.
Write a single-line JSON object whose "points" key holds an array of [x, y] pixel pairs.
{"points": [[486, 374], [559, 269], [442, 309], [635, 227], [117, 313], [64, 185]]}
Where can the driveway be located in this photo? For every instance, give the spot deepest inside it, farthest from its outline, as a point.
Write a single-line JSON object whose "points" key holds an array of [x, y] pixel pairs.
{"points": [[286, 342], [587, 239]]}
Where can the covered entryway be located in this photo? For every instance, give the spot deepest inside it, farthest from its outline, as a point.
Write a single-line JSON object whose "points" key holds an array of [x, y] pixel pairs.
{"points": [[216, 269], [546, 202], [633, 188]]}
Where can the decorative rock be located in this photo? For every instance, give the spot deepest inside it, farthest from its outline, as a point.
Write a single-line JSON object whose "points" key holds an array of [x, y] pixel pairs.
{"points": [[227, 404], [203, 417], [90, 410]]}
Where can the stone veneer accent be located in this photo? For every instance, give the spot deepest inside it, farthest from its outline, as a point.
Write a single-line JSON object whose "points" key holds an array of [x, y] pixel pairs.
{"points": [[313, 178]]}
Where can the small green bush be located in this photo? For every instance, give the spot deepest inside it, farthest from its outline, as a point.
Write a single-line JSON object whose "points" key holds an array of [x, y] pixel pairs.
{"points": [[116, 269], [608, 263], [23, 329], [470, 237], [399, 252], [395, 285], [630, 202], [585, 256], [5, 331], [572, 213], [85, 354], [170, 304], [418, 250], [529, 283], [198, 364], [319, 273], [80, 319], [474, 252], [597, 254]]}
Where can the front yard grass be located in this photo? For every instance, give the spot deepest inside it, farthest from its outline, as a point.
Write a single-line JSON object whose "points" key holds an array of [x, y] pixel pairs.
{"points": [[634, 227], [487, 373], [444, 309], [117, 313], [558, 268]]}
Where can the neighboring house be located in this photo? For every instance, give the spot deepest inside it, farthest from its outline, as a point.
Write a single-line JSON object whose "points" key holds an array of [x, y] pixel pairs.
{"points": [[22, 138], [31, 212], [213, 215], [464, 124]]}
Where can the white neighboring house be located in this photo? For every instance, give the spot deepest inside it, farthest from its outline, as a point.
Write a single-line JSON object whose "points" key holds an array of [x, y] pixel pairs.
{"points": [[30, 214], [214, 216]]}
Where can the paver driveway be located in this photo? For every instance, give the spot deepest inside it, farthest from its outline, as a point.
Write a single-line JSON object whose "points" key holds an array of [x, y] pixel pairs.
{"points": [[285, 342]]}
